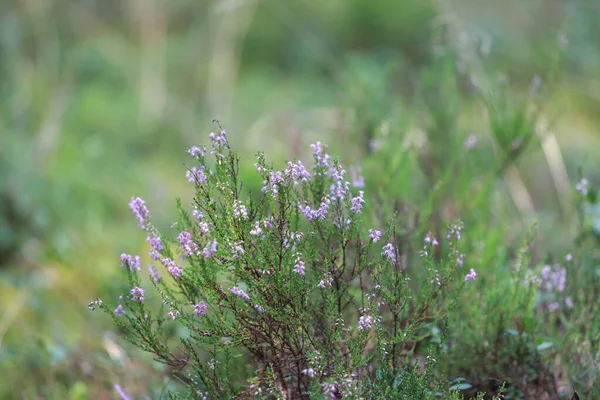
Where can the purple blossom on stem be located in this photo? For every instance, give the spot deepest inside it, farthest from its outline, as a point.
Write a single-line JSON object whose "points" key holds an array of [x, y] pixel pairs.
{"points": [[156, 244], [365, 322], [210, 249], [137, 294], [296, 172], [174, 269], [256, 229], [204, 228], [196, 151], [338, 188], [275, 178], [331, 389], [471, 276], [237, 250], [430, 239], [200, 309], [119, 311], [138, 206], [133, 262], [309, 372], [320, 213], [554, 280], [321, 159], [239, 293], [299, 266], [389, 252], [187, 243], [173, 314], [219, 140], [196, 175], [197, 214], [239, 210], [455, 230], [154, 274], [375, 235], [326, 281], [357, 203], [459, 258]]}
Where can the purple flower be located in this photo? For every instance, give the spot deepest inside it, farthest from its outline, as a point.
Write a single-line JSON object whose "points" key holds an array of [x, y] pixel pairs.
{"points": [[275, 178], [365, 322], [200, 309], [471, 276], [320, 213], [239, 293], [321, 159], [204, 228], [430, 239], [358, 180], [455, 230], [296, 172], [375, 235], [137, 294], [331, 389], [196, 175], [219, 139], [210, 249], [119, 311], [133, 262], [173, 314], [156, 244], [196, 151], [389, 252], [260, 164], [357, 203], [197, 214], [554, 280], [299, 266], [237, 250], [187, 243], [306, 211], [259, 308], [326, 281], [256, 229], [339, 188], [309, 372], [138, 206], [154, 274], [174, 269], [239, 210]]}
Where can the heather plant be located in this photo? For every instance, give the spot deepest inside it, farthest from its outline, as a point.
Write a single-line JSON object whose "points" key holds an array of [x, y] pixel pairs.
{"points": [[287, 293]]}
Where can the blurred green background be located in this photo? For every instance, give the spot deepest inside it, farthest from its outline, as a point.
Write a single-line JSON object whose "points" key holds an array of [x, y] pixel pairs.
{"points": [[100, 98]]}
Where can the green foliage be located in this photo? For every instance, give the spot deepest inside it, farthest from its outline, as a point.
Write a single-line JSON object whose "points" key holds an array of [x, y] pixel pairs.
{"points": [[449, 108]]}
